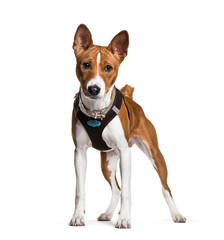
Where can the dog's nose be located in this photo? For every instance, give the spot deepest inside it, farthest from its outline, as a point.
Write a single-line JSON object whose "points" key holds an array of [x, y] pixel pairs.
{"points": [[94, 90]]}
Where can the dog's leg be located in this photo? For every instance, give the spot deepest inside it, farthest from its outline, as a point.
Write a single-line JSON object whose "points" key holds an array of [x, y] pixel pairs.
{"points": [[114, 136], [125, 167], [150, 147], [108, 166], [80, 169], [162, 172]]}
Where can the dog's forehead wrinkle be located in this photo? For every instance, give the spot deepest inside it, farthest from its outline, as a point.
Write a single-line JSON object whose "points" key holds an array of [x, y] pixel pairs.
{"points": [[89, 53]]}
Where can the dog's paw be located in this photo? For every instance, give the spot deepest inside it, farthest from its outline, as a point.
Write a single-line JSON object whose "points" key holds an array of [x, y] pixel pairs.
{"points": [[123, 223], [77, 221], [178, 218], [104, 217]]}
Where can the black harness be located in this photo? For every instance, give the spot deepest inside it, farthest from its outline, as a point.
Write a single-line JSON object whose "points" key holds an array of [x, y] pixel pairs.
{"points": [[94, 127]]}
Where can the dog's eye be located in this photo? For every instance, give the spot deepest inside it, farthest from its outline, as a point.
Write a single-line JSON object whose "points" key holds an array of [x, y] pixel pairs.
{"points": [[86, 65], [108, 68]]}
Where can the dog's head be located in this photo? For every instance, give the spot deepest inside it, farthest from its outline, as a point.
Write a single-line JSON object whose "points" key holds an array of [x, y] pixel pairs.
{"points": [[97, 66]]}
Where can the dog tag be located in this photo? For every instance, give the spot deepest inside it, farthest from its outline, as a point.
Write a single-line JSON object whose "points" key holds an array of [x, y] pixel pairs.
{"points": [[94, 123]]}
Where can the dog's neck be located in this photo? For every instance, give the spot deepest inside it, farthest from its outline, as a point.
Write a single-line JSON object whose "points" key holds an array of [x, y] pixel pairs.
{"points": [[97, 104]]}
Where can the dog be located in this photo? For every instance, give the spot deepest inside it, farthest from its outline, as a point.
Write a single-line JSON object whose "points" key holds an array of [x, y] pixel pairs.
{"points": [[110, 120]]}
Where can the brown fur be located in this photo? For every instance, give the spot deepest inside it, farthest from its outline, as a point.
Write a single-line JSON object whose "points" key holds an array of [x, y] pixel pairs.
{"points": [[74, 121], [105, 170], [127, 91], [139, 126]]}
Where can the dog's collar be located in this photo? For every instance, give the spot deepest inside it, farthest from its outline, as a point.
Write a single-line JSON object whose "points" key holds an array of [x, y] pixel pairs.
{"points": [[97, 114]]}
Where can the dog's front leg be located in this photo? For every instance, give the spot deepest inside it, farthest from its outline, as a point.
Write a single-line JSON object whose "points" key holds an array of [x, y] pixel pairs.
{"points": [[125, 167], [80, 169]]}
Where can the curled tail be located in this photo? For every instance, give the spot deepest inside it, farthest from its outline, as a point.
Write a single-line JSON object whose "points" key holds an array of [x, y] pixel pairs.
{"points": [[127, 90]]}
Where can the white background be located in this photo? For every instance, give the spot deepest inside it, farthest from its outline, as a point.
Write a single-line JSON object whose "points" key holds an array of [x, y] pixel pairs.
{"points": [[175, 62]]}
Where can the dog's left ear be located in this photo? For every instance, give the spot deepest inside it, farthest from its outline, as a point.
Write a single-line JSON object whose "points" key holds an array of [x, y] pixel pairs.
{"points": [[119, 45], [82, 39]]}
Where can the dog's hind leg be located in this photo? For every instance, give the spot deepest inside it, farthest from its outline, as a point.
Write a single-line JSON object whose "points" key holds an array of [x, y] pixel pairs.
{"points": [[109, 164], [147, 142]]}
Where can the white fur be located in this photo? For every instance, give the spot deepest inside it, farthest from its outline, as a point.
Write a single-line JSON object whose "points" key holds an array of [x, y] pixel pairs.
{"points": [[144, 147], [98, 59], [80, 169], [175, 214], [82, 138], [113, 135], [98, 81], [97, 104], [83, 143]]}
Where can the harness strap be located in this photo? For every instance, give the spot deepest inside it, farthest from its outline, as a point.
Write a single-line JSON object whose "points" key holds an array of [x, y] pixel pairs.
{"points": [[94, 127]]}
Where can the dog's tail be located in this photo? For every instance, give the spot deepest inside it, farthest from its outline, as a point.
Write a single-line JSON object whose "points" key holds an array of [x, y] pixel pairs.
{"points": [[127, 90]]}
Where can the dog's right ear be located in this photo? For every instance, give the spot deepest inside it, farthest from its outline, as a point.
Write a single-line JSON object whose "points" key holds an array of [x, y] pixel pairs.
{"points": [[82, 39]]}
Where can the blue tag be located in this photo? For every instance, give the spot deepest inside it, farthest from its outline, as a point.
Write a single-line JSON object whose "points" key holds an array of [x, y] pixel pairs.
{"points": [[94, 123]]}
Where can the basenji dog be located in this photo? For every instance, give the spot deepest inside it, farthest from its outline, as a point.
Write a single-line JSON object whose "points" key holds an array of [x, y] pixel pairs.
{"points": [[110, 120]]}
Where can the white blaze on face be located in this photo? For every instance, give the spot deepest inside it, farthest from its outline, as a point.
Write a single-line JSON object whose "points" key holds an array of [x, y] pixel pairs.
{"points": [[98, 81], [98, 59]]}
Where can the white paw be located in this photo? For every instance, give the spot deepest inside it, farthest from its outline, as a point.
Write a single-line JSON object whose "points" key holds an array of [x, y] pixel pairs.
{"points": [[77, 221], [178, 218], [123, 223], [104, 217]]}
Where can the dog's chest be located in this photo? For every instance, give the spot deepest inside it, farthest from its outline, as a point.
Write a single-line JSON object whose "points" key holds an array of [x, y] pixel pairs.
{"points": [[113, 135]]}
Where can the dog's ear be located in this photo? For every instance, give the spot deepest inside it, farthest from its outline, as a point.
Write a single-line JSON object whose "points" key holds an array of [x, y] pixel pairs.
{"points": [[119, 45], [82, 39]]}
